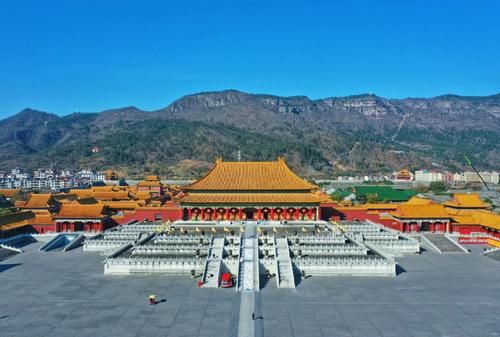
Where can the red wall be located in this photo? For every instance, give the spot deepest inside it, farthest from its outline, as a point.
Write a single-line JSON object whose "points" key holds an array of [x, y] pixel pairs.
{"points": [[150, 215], [466, 229], [351, 214], [44, 228], [391, 223]]}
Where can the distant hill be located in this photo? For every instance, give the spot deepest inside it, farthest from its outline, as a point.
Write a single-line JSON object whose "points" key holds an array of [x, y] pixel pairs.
{"points": [[362, 133]]}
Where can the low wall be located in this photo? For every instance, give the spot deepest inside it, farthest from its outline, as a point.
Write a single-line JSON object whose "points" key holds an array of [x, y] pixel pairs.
{"points": [[349, 269], [126, 266]]}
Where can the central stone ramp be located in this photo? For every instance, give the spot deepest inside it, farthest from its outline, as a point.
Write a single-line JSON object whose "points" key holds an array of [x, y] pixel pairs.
{"points": [[284, 264], [211, 275], [443, 243], [248, 276]]}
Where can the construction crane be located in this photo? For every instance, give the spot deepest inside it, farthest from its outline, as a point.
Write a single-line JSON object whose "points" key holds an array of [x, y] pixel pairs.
{"points": [[482, 180]]}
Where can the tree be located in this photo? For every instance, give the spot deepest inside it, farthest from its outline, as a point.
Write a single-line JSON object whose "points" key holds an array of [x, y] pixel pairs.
{"points": [[371, 198], [489, 201], [438, 187], [336, 197], [422, 189], [361, 199]]}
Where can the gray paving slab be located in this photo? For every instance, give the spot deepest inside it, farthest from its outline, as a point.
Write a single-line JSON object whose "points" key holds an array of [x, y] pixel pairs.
{"points": [[67, 294], [437, 295]]}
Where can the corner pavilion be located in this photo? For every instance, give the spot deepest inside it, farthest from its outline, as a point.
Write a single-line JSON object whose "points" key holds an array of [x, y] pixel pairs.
{"points": [[251, 191]]}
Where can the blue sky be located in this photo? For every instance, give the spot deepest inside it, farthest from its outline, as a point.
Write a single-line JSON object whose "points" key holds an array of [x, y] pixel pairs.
{"points": [[60, 56]]}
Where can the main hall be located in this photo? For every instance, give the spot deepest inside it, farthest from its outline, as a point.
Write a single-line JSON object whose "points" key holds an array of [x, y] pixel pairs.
{"points": [[252, 191]]}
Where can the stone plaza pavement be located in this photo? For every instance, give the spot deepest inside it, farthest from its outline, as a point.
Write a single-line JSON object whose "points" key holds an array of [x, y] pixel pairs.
{"points": [[450, 295], [67, 294]]}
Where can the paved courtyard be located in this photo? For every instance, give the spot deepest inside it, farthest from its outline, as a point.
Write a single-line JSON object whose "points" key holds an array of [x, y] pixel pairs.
{"points": [[67, 294], [435, 295]]}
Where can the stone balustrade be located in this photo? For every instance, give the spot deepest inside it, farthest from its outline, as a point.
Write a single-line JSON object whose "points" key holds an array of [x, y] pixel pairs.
{"points": [[168, 265], [325, 251], [192, 251], [317, 239]]}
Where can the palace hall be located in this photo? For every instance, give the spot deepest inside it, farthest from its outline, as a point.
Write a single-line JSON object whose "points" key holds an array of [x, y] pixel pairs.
{"points": [[251, 190]]}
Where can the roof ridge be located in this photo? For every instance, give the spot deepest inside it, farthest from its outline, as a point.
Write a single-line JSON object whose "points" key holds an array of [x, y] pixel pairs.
{"points": [[255, 176]]}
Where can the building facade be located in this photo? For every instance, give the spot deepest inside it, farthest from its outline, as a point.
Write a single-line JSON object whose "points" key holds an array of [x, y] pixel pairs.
{"points": [[251, 191]]}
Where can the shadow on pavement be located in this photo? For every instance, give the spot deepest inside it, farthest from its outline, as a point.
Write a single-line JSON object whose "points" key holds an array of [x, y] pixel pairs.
{"points": [[4, 267]]}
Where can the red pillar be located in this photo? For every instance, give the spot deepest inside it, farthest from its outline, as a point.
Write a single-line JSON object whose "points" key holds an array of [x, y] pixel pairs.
{"points": [[309, 213], [240, 213], [297, 214], [259, 213]]}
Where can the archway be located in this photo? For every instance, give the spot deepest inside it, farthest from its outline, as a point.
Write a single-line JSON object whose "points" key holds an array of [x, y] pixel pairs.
{"points": [[65, 226], [304, 213], [89, 226], [249, 213], [426, 227], [185, 214], [278, 213], [195, 213], [221, 213], [78, 226], [208, 214], [266, 213], [438, 226], [314, 213], [290, 213]]}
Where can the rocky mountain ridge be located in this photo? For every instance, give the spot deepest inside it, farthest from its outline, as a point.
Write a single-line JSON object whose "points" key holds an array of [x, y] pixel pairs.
{"points": [[362, 133]]}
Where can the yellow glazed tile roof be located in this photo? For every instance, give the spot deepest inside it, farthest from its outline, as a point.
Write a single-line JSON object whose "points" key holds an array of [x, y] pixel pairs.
{"points": [[419, 201], [480, 217], [42, 218], [8, 193], [14, 225], [82, 193], [250, 176], [148, 183], [380, 206], [121, 204], [117, 195], [107, 188], [79, 211], [462, 200], [421, 212], [37, 201], [142, 195], [251, 198], [16, 220]]}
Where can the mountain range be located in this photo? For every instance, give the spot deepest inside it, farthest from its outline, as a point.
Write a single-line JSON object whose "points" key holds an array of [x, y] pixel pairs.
{"points": [[319, 138]]}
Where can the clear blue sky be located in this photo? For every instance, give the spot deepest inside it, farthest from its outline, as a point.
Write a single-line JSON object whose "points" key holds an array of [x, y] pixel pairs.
{"points": [[59, 56]]}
